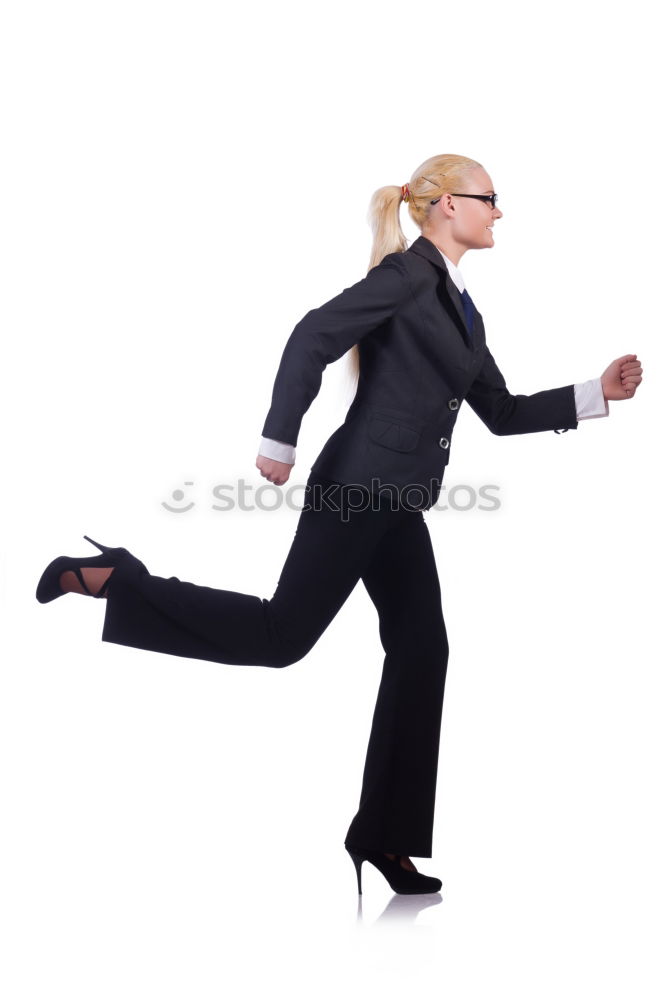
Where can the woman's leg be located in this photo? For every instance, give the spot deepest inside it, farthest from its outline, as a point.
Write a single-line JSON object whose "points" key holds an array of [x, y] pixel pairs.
{"points": [[396, 808], [333, 544]]}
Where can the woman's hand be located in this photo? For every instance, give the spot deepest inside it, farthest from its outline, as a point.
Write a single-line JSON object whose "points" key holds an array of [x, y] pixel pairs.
{"points": [[621, 379], [275, 472]]}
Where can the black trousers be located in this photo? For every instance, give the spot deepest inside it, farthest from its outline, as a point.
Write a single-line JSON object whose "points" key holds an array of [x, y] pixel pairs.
{"points": [[344, 534]]}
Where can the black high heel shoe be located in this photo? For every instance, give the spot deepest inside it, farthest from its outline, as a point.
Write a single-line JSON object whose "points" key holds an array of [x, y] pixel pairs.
{"points": [[49, 587], [400, 879]]}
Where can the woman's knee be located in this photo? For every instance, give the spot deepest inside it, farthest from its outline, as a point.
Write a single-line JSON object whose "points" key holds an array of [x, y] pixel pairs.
{"points": [[289, 639], [286, 657], [288, 651]]}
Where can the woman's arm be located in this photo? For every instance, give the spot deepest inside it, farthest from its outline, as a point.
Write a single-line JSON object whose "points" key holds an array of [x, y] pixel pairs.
{"points": [[505, 413], [323, 336], [550, 409]]}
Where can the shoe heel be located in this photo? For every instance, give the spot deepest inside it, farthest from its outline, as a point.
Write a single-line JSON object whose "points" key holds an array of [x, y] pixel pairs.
{"points": [[358, 861], [102, 548]]}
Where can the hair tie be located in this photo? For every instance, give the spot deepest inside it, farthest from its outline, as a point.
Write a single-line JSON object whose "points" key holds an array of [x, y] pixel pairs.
{"points": [[405, 192]]}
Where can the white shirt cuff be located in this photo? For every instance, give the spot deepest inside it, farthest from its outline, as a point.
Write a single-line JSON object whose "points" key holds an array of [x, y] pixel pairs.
{"points": [[278, 450], [590, 400]]}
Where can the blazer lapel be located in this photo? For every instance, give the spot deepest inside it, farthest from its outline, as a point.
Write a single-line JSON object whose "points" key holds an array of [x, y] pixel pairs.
{"points": [[427, 249]]}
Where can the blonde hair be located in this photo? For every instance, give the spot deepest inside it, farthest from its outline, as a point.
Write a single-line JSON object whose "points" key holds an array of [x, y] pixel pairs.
{"points": [[436, 176]]}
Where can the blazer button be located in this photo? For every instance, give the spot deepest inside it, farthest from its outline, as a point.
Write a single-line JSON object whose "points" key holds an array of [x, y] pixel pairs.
{"points": [[444, 442], [453, 404]]}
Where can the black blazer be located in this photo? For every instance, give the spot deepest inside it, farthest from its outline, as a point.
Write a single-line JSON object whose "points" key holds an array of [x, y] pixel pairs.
{"points": [[418, 364]]}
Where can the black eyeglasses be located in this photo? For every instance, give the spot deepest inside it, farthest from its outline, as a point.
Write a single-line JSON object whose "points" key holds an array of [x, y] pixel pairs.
{"points": [[492, 198]]}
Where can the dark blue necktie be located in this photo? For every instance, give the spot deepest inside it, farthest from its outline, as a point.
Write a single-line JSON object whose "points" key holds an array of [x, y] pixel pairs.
{"points": [[469, 310]]}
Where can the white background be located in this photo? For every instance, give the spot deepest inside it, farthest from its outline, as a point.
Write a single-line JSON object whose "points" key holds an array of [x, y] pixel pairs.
{"points": [[181, 183]]}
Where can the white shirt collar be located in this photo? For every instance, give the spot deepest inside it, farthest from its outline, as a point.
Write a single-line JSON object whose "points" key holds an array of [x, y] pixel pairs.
{"points": [[454, 272]]}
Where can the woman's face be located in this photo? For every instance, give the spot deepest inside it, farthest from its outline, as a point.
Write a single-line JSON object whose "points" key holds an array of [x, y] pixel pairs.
{"points": [[472, 219]]}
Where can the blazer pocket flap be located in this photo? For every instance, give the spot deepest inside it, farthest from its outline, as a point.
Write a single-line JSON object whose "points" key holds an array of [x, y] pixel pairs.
{"points": [[393, 435]]}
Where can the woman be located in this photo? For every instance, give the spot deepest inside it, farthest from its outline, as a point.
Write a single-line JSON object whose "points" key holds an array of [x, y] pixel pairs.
{"points": [[418, 348]]}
